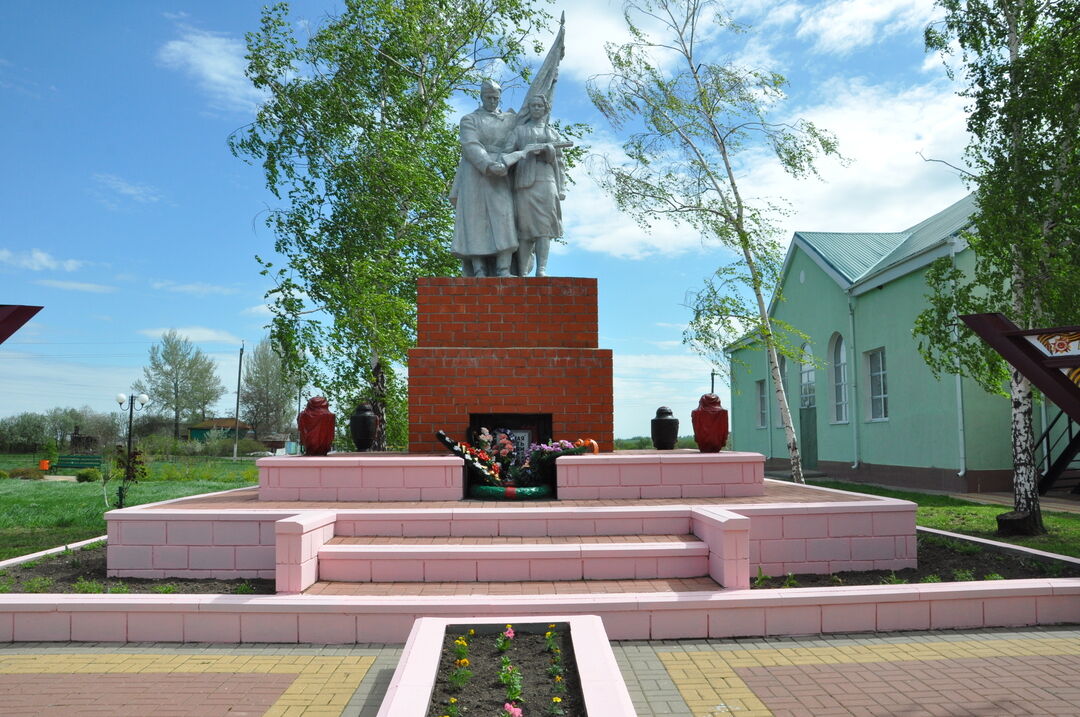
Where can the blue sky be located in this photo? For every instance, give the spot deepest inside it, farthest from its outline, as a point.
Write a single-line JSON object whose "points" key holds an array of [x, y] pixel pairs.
{"points": [[123, 213]]}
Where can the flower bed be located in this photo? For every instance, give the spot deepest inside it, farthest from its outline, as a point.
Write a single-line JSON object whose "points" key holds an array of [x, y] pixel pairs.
{"points": [[513, 667], [524, 670]]}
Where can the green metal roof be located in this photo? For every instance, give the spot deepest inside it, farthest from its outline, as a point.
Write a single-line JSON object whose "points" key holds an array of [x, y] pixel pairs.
{"points": [[857, 256]]}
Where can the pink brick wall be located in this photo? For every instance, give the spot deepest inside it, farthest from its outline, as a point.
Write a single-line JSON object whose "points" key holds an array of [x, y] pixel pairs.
{"points": [[356, 477], [828, 538], [298, 541], [728, 536], [729, 613], [661, 474], [191, 544]]}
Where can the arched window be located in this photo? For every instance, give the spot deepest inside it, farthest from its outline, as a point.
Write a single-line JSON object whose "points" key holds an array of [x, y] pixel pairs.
{"points": [[839, 380], [807, 399]]}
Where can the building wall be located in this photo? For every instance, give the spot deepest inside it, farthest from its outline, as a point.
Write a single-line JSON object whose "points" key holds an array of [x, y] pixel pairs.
{"points": [[921, 430]]}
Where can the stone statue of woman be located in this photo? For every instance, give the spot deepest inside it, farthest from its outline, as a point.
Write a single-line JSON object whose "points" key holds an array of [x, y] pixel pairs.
{"points": [[535, 150]]}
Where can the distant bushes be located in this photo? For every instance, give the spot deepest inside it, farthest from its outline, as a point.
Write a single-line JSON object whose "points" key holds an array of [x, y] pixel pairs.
{"points": [[27, 473], [88, 475], [218, 444]]}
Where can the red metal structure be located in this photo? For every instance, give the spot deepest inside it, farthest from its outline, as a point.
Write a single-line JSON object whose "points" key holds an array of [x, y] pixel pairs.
{"points": [[13, 316], [1050, 359]]}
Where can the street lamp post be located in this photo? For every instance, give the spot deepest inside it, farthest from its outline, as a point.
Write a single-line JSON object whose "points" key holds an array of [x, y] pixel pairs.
{"points": [[142, 400]]}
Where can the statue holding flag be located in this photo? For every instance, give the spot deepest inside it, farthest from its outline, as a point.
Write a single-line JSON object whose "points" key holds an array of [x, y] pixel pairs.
{"points": [[510, 180]]}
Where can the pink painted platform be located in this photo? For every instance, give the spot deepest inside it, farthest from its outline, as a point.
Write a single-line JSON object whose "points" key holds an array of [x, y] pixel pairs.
{"points": [[612, 476], [651, 567]]}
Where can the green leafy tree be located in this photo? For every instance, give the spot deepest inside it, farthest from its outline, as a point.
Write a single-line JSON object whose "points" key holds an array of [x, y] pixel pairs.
{"points": [[692, 125], [1021, 61], [180, 379], [268, 394], [61, 424], [24, 433], [356, 137]]}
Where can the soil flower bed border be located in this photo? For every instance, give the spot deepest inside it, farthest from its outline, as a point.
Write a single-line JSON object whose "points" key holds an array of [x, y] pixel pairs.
{"points": [[602, 685]]}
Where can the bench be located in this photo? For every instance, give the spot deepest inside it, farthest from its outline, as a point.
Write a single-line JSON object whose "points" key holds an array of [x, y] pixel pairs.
{"points": [[78, 462]]}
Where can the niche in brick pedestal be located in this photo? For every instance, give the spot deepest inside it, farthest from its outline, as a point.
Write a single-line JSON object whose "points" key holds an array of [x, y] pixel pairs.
{"points": [[510, 345]]}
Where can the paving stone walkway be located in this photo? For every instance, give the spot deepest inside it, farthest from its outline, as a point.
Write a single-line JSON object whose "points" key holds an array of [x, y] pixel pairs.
{"points": [[984, 673]]}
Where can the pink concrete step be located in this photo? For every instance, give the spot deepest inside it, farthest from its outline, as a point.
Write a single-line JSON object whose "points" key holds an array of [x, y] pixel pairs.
{"points": [[501, 559]]}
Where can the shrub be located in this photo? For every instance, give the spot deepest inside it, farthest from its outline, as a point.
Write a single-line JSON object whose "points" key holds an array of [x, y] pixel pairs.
{"points": [[4, 474], [88, 475], [31, 473]]}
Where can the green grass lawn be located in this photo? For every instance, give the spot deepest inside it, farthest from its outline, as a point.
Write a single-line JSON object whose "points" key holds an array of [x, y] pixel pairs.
{"points": [[35, 515], [961, 516]]}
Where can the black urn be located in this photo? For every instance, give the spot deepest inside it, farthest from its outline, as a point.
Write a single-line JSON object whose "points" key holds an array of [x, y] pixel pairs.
{"points": [[362, 427], [665, 430]]}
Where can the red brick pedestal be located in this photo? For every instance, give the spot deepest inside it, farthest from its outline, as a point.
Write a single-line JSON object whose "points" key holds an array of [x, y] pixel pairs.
{"points": [[513, 345]]}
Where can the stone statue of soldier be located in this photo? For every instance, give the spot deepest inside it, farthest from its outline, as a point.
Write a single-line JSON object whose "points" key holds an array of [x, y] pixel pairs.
{"points": [[485, 237]]}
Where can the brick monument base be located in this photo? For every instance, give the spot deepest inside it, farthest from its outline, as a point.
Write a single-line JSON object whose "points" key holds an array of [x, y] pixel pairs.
{"points": [[508, 346]]}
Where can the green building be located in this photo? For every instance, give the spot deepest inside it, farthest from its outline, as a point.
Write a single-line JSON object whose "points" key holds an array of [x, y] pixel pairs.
{"points": [[870, 410], [225, 427]]}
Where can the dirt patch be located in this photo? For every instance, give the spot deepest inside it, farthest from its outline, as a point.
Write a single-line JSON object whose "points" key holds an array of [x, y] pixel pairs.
{"points": [[83, 571], [940, 560]]}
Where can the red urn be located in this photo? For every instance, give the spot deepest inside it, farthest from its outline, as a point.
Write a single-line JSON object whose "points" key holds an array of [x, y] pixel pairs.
{"points": [[316, 425], [710, 421]]}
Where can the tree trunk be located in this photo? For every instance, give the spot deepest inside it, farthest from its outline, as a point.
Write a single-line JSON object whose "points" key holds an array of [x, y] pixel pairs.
{"points": [[1026, 518], [378, 404], [785, 415]]}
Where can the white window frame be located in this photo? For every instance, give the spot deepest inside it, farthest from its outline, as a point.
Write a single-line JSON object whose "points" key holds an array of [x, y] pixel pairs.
{"points": [[877, 397], [839, 373], [763, 404], [807, 384]]}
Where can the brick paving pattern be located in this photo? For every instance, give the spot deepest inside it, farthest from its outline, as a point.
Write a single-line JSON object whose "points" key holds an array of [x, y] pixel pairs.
{"points": [[138, 695], [1033, 685], [908, 674], [249, 498], [987, 672], [163, 684]]}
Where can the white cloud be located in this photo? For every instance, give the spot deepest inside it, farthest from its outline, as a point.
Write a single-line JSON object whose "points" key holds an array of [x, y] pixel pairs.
{"points": [[882, 130], [196, 288], [77, 286], [644, 382], [38, 260], [196, 334], [840, 26], [118, 187], [216, 62], [260, 310], [594, 223]]}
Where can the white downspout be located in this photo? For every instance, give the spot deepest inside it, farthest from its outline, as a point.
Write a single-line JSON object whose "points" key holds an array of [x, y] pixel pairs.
{"points": [[960, 428], [853, 402]]}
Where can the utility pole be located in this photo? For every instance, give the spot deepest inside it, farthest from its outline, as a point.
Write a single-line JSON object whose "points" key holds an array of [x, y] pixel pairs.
{"points": [[236, 428]]}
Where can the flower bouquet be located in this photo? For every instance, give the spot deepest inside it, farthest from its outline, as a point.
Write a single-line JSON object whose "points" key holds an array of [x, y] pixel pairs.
{"points": [[500, 471]]}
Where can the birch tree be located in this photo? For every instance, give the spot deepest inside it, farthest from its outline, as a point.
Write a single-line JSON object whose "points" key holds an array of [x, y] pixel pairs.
{"points": [[1021, 62], [693, 125]]}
